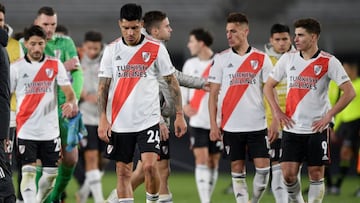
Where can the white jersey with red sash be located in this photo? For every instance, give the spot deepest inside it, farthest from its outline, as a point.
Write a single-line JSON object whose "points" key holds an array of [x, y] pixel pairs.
{"points": [[307, 86], [197, 98], [241, 94], [34, 84], [133, 103]]}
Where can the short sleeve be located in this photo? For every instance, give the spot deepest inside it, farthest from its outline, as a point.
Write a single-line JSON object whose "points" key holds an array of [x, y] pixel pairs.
{"points": [[163, 62], [267, 68], [215, 74], [62, 78], [106, 63], [337, 72], [279, 71]]}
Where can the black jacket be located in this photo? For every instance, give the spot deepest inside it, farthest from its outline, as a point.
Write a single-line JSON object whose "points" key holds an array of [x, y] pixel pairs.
{"points": [[4, 86]]}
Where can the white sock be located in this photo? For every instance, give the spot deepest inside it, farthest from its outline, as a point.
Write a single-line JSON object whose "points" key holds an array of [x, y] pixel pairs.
{"points": [[202, 177], [84, 191], [165, 198], [152, 198], [294, 192], [316, 191], [126, 200], [213, 179], [240, 187], [27, 185], [260, 182], [46, 183], [277, 184], [94, 180], [112, 198]]}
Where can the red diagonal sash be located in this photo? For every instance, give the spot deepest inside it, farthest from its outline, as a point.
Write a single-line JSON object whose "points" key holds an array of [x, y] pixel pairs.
{"points": [[199, 94], [30, 102], [315, 70], [127, 84], [253, 64]]}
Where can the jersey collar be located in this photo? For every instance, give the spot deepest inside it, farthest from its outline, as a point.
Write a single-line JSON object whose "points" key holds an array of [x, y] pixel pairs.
{"points": [[29, 61], [247, 51], [140, 41], [315, 55]]}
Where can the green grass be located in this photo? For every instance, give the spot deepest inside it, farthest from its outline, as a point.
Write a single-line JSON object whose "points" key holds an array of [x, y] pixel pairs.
{"points": [[183, 188]]}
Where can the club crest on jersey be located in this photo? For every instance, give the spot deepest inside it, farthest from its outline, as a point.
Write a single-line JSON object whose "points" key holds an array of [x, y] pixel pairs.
{"points": [[146, 56], [254, 64], [49, 72], [317, 69], [21, 149]]}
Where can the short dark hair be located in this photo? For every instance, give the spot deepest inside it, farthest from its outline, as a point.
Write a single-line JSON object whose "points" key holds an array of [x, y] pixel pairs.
{"points": [[62, 29], [279, 28], [309, 24], [93, 36], [131, 12], [237, 18], [34, 30], [46, 10], [152, 19], [2, 8], [201, 34]]}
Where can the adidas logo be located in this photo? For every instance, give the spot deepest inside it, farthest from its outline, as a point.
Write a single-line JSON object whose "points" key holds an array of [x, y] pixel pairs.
{"points": [[25, 75], [292, 68], [230, 65], [118, 58], [325, 158]]}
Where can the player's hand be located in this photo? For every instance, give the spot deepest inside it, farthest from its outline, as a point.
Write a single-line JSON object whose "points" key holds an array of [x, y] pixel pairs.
{"points": [[69, 109], [104, 129], [215, 133], [164, 132], [322, 124], [189, 111], [180, 125], [284, 119], [273, 130], [206, 87], [71, 64]]}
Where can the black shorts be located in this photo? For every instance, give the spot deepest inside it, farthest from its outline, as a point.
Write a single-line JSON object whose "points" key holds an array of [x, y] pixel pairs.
{"points": [[199, 137], [7, 193], [122, 145], [312, 148], [350, 131], [255, 143], [275, 150], [92, 140], [164, 150], [47, 151]]}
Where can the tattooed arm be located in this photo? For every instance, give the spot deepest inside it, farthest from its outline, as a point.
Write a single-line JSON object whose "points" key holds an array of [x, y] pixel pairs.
{"points": [[179, 123], [104, 129]]}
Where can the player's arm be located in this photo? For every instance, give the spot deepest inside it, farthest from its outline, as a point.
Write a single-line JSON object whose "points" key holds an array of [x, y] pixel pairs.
{"points": [[104, 129], [189, 81], [348, 95], [69, 108], [275, 108], [180, 123], [215, 133]]}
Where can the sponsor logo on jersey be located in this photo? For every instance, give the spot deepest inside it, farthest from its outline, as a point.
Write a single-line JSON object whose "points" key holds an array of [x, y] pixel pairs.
{"points": [[254, 64], [49, 72], [146, 56], [317, 69], [21, 149]]}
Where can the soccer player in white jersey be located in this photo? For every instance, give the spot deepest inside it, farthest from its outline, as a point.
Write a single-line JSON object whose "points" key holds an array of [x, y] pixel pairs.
{"points": [[133, 63], [207, 153], [236, 80], [308, 72], [34, 80]]}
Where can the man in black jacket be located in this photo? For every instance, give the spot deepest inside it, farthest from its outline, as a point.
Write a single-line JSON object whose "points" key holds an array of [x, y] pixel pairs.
{"points": [[6, 186]]}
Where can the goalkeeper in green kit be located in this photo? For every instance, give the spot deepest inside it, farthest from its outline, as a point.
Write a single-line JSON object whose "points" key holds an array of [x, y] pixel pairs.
{"points": [[63, 48]]}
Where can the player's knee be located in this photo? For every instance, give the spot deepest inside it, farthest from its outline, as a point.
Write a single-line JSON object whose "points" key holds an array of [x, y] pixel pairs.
{"points": [[28, 178], [149, 168]]}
